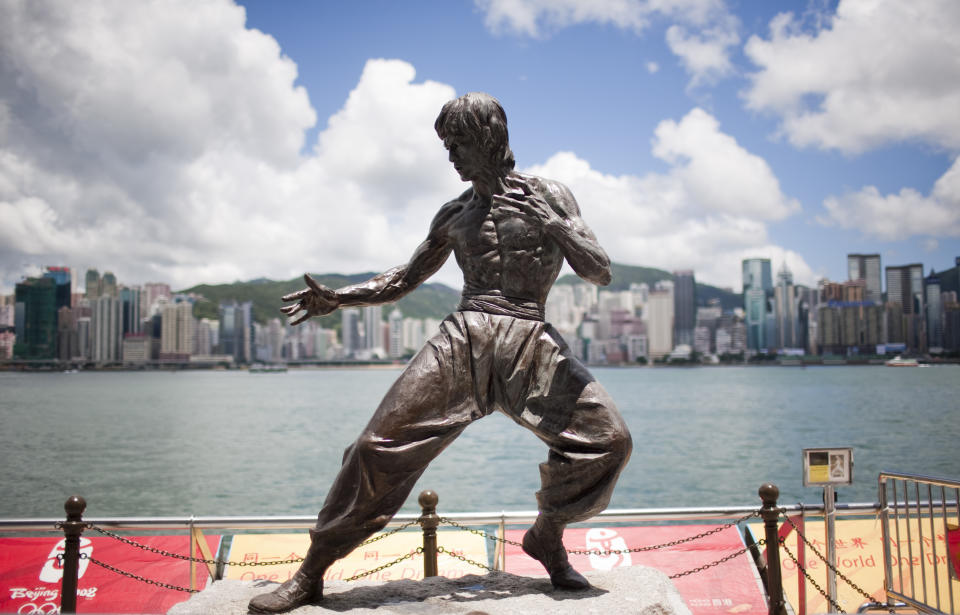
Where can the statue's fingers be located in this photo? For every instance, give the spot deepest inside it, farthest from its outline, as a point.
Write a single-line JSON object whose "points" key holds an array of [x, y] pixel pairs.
{"points": [[290, 310], [303, 318], [295, 296], [312, 283]]}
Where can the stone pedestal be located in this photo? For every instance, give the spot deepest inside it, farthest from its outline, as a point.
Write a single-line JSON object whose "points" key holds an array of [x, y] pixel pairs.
{"points": [[636, 590]]}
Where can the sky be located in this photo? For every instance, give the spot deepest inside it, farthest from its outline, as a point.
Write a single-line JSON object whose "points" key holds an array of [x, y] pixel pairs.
{"points": [[209, 141]]}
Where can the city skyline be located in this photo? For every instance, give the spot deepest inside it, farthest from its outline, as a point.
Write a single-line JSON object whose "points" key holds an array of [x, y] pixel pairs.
{"points": [[229, 142]]}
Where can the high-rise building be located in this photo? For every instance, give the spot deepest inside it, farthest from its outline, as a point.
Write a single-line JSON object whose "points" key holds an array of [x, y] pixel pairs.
{"points": [[934, 311], [153, 293], [658, 316], [373, 330], [236, 330], [905, 289], [684, 307], [866, 267], [61, 277], [786, 311], [92, 284], [35, 316], [105, 330], [179, 330], [131, 309], [395, 321], [350, 331], [108, 284], [757, 289]]}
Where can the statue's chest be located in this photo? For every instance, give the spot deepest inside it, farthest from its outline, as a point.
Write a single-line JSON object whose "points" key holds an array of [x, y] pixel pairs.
{"points": [[481, 231]]}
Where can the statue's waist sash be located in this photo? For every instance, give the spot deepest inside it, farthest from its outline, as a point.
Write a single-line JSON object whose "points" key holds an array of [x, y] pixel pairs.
{"points": [[501, 306]]}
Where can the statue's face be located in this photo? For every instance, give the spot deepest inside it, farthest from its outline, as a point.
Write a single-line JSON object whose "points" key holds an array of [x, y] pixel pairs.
{"points": [[467, 156]]}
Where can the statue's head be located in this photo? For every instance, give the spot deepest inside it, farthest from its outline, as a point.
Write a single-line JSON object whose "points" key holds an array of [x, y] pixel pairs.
{"points": [[479, 118]]}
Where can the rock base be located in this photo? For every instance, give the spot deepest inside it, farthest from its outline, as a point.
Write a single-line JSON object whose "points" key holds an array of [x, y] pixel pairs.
{"points": [[636, 590]]}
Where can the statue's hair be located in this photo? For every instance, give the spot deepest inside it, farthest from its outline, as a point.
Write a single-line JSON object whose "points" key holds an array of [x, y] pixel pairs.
{"points": [[479, 116]]}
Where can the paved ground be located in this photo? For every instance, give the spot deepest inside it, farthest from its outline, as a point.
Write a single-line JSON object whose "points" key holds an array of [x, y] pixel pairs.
{"points": [[636, 590]]}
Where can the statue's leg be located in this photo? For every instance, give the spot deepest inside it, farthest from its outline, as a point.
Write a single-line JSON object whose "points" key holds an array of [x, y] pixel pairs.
{"points": [[589, 444], [424, 411]]}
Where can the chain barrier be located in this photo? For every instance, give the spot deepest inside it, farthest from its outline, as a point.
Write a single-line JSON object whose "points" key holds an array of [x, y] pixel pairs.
{"points": [[419, 550], [360, 575], [726, 558], [829, 565], [602, 552], [441, 549], [218, 562], [801, 568], [138, 577], [215, 562]]}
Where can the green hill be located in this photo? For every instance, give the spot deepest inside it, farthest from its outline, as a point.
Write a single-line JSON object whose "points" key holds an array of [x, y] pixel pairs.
{"points": [[625, 275], [429, 300]]}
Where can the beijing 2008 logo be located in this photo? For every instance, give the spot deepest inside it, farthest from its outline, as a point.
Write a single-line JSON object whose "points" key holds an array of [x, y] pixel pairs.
{"points": [[44, 600]]}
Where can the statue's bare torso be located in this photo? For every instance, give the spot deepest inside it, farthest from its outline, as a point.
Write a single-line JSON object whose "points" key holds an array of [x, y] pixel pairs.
{"points": [[502, 254]]}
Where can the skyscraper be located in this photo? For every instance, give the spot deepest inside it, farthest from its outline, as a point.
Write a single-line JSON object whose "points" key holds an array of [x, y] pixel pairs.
{"points": [[757, 286], [236, 330], [684, 307], [658, 316], [905, 287], [373, 330], [934, 311], [786, 310], [36, 319], [905, 290], [92, 284], [866, 267], [105, 329], [350, 331], [130, 307], [396, 348]]}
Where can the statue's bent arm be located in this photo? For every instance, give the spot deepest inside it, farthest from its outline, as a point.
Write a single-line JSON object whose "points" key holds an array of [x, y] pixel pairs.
{"points": [[577, 242], [394, 283]]}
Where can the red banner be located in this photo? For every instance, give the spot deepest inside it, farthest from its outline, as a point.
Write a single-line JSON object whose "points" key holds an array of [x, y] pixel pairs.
{"points": [[30, 574], [730, 587]]}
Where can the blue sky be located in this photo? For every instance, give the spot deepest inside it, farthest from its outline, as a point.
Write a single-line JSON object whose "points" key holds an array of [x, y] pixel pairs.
{"points": [[210, 142]]}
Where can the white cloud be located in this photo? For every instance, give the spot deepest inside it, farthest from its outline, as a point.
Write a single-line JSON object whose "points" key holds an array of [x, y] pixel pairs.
{"points": [[703, 34], [717, 173], [705, 54], [707, 213], [652, 67], [174, 152], [877, 72], [902, 215]]}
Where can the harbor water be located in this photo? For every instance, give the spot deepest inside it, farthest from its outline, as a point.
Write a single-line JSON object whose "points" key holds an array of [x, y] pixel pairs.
{"points": [[177, 443]]}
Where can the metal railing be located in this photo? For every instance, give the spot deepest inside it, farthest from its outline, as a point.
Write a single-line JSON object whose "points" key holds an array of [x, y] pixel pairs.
{"points": [[918, 514], [428, 520]]}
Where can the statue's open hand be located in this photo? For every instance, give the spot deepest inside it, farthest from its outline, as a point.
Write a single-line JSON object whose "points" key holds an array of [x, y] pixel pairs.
{"points": [[315, 300], [523, 202]]}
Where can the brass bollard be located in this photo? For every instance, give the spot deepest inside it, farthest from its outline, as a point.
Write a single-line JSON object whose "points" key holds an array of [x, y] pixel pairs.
{"points": [[429, 520], [769, 494], [72, 529]]}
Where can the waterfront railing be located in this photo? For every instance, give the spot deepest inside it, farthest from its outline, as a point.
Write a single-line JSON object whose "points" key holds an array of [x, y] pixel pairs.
{"points": [[923, 511]]}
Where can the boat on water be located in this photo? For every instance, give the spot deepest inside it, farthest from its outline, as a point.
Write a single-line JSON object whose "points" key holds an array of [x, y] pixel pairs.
{"points": [[260, 368], [899, 361]]}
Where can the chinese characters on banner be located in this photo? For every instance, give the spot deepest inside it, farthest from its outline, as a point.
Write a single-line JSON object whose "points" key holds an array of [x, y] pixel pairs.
{"points": [[279, 547]]}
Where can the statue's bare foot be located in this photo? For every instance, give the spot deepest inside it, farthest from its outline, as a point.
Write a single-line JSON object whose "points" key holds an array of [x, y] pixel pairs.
{"points": [[298, 591], [545, 544]]}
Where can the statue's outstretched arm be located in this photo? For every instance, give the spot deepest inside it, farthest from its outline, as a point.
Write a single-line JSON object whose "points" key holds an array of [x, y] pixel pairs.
{"points": [[387, 287]]}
